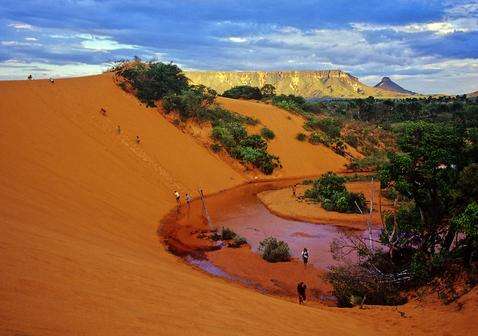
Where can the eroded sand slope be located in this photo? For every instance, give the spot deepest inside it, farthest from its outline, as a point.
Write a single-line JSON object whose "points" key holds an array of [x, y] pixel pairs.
{"points": [[80, 206]]}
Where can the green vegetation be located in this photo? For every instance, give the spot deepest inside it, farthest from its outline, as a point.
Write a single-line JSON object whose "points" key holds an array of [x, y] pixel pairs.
{"points": [[330, 191], [232, 238], [371, 162], [152, 81], [227, 234], [267, 133], [290, 103], [244, 92], [237, 241], [434, 232], [274, 250], [268, 91], [249, 149]]}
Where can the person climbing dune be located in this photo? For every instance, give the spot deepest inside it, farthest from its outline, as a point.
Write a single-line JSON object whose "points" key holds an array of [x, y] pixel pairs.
{"points": [[177, 196], [30, 77], [138, 140], [118, 129], [103, 111], [301, 287]]}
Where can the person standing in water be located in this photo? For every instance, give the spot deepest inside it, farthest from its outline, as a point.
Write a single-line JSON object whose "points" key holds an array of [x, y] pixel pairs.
{"points": [[305, 256], [301, 287]]}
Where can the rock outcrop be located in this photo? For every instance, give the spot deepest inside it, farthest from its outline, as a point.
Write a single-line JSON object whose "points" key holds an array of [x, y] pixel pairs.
{"points": [[387, 84]]}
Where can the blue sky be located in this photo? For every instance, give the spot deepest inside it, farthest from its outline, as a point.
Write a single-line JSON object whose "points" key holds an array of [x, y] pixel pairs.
{"points": [[426, 46]]}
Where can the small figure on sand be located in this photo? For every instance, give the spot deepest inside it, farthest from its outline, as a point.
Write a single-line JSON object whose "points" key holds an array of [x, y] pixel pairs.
{"points": [[103, 111], [188, 199], [30, 77], [118, 129], [305, 256], [178, 197], [138, 140], [51, 80], [294, 188], [301, 287]]}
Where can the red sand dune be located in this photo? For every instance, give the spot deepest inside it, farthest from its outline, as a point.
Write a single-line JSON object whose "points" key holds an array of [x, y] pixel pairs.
{"points": [[80, 209]]}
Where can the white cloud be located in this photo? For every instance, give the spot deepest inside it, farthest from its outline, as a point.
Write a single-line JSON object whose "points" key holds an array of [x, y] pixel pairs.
{"points": [[17, 69], [20, 25], [236, 39], [102, 43], [31, 39], [438, 28]]}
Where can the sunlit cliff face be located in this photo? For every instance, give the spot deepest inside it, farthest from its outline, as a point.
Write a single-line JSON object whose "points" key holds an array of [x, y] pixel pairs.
{"points": [[323, 83]]}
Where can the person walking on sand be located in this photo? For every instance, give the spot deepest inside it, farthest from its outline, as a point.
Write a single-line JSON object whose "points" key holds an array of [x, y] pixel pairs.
{"points": [[138, 140], [293, 187], [188, 199], [178, 197], [118, 129], [305, 256], [301, 287], [103, 111]]}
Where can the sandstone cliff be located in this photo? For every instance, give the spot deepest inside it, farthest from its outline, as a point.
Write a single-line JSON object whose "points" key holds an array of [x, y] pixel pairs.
{"points": [[309, 84]]}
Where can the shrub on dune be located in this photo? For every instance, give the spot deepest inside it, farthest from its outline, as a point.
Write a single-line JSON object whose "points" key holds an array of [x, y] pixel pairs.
{"points": [[267, 133]]}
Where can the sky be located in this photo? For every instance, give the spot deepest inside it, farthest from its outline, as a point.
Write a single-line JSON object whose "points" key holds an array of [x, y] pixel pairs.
{"points": [[426, 46]]}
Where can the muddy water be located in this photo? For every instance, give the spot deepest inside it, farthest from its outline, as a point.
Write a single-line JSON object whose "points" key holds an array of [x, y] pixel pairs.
{"points": [[241, 210]]}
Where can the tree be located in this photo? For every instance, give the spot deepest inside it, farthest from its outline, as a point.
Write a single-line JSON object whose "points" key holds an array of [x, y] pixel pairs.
{"points": [[426, 172], [268, 90]]}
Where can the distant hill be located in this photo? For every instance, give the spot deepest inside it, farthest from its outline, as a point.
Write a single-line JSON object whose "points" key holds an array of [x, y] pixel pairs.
{"points": [[472, 94], [387, 84], [309, 84]]}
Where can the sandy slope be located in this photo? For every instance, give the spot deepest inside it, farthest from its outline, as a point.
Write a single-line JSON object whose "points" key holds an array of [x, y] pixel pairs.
{"points": [[80, 209], [298, 158]]}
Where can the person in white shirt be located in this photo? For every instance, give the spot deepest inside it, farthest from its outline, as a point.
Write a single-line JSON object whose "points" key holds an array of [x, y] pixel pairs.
{"points": [[305, 256]]}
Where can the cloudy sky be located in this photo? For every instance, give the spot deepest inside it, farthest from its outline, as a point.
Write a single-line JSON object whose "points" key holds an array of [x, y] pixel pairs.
{"points": [[427, 46]]}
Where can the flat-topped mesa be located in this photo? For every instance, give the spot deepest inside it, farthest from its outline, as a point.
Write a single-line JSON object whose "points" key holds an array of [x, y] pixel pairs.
{"points": [[309, 84]]}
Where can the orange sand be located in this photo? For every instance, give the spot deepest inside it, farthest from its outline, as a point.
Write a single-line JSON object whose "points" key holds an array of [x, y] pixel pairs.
{"points": [[298, 158], [80, 210], [282, 203]]}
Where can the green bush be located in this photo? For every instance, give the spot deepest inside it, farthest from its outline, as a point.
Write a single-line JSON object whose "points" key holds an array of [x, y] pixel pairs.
{"points": [[153, 80], [254, 141], [330, 191], [244, 92], [290, 103], [316, 138], [274, 250], [267, 133], [227, 234], [301, 137], [268, 90], [216, 148], [238, 241], [330, 126]]}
